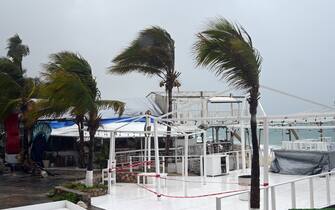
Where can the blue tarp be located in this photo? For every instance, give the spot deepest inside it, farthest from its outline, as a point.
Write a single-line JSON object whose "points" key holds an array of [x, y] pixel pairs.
{"points": [[55, 124]]}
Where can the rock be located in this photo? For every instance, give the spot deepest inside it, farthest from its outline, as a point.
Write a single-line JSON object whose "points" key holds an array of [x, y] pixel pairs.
{"points": [[44, 174], [82, 204]]}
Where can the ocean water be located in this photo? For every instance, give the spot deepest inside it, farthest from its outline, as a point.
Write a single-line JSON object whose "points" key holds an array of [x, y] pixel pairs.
{"points": [[276, 136]]}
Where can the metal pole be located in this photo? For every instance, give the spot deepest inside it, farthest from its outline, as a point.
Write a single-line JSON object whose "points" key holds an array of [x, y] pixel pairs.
{"points": [[145, 153], [293, 198], [328, 189], [130, 164], [110, 161], [109, 176], [157, 160], [311, 193], [149, 151], [204, 156], [186, 155], [227, 163], [201, 167], [273, 199], [238, 160], [242, 134], [218, 203], [113, 156], [163, 164], [266, 199], [266, 152]]}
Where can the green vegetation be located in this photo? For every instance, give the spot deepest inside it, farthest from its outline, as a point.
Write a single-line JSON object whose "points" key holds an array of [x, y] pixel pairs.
{"points": [[56, 195], [64, 196], [152, 53], [17, 90], [83, 187], [71, 88], [228, 51]]}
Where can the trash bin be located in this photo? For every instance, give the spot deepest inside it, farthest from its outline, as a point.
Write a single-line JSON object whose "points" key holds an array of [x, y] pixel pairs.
{"points": [[244, 180]]}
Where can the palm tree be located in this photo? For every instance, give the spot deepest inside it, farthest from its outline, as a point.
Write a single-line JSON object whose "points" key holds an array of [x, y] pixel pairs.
{"points": [[16, 50], [151, 53], [71, 88], [227, 49], [16, 93], [74, 64]]}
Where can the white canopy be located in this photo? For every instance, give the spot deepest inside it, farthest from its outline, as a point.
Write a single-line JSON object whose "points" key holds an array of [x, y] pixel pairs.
{"points": [[124, 130]]}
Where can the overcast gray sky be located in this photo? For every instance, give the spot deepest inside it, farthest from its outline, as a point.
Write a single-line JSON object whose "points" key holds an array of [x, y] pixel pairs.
{"points": [[295, 39]]}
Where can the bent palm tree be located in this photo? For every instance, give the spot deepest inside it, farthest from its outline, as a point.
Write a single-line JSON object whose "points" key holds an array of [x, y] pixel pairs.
{"points": [[151, 53], [74, 64], [71, 88], [227, 49]]}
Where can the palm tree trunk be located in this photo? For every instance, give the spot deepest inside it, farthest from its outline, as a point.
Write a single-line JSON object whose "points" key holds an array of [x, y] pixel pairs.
{"points": [[90, 153], [89, 169], [168, 142], [81, 144], [255, 191]]}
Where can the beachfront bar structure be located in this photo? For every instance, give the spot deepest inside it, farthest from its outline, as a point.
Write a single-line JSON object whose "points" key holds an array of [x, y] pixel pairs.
{"points": [[200, 188]]}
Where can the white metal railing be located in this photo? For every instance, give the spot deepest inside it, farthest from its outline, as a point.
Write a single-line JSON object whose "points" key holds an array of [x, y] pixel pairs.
{"points": [[292, 184], [105, 173], [308, 145], [179, 161], [238, 157]]}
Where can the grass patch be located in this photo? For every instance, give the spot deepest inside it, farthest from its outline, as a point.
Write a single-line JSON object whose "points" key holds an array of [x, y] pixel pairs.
{"points": [[64, 196], [82, 187]]}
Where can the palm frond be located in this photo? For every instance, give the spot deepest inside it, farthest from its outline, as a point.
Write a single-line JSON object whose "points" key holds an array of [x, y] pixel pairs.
{"points": [[72, 63], [9, 87], [9, 68], [8, 106], [227, 49], [16, 50], [151, 53], [67, 91], [117, 106]]}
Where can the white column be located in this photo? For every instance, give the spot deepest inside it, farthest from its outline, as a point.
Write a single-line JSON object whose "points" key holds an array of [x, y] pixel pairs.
{"points": [[266, 167], [149, 151], [186, 155], [266, 152], [157, 160], [242, 134], [111, 160], [113, 157], [204, 156], [145, 152]]}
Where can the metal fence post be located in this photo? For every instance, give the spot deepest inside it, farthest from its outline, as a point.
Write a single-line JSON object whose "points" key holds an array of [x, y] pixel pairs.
{"points": [[293, 198], [311, 193], [130, 164], [273, 198], [218, 203], [328, 189]]}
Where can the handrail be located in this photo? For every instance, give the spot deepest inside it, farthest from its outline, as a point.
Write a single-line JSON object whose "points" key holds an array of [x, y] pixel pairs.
{"points": [[302, 178], [293, 193]]}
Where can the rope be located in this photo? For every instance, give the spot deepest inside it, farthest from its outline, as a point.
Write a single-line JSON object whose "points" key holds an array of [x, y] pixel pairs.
{"points": [[190, 181], [192, 196], [297, 97], [122, 168]]}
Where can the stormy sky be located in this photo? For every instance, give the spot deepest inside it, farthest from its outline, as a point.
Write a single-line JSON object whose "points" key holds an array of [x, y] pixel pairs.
{"points": [[295, 39]]}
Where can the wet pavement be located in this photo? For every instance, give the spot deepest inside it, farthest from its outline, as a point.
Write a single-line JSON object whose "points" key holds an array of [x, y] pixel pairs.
{"points": [[23, 189]]}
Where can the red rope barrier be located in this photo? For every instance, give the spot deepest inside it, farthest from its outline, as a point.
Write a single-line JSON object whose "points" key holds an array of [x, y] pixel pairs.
{"points": [[122, 168], [193, 196]]}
